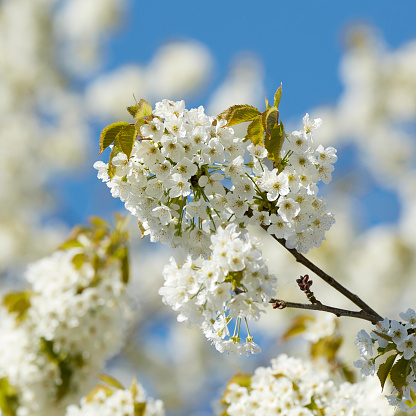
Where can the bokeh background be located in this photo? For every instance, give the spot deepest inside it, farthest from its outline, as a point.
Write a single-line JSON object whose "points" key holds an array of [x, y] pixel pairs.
{"points": [[69, 67]]}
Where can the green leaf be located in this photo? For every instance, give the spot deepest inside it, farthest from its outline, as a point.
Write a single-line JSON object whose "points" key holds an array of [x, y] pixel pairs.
{"points": [[114, 152], [399, 372], [99, 222], [314, 407], [108, 135], [126, 137], [267, 102], [269, 120], [90, 396], [111, 381], [255, 132], [326, 347], [277, 97], [134, 387], [140, 110], [242, 379], [384, 370], [18, 303], [78, 260], [238, 114], [139, 409], [133, 109], [275, 143], [348, 373], [125, 267], [47, 348], [8, 398], [298, 326], [66, 373], [390, 347], [145, 109], [70, 244], [137, 126], [65, 363], [384, 336]]}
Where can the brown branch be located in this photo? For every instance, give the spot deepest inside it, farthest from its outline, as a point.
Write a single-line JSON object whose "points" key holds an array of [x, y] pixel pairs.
{"points": [[281, 304], [328, 279]]}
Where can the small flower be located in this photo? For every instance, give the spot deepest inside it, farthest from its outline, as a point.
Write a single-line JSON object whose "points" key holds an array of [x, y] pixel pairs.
{"points": [[397, 331], [364, 344], [366, 367], [410, 317], [310, 125], [288, 208], [408, 346], [178, 185]]}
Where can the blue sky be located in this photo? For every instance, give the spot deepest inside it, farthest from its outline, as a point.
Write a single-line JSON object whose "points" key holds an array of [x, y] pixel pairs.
{"points": [[300, 44]]}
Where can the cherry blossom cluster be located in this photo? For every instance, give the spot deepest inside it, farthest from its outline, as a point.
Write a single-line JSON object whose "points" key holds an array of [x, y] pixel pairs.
{"points": [[233, 284], [398, 339], [105, 401], [291, 386], [289, 203], [189, 174], [57, 335]]}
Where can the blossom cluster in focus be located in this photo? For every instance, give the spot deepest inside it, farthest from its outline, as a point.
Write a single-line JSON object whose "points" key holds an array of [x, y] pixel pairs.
{"points": [[188, 174], [398, 341], [234, 283]]}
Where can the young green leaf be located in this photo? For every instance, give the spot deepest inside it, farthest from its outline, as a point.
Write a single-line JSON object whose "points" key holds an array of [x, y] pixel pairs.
{"points": [[126, 137], [70, 244], [140, 110], [313, 406], [99, 222], [399, 372], [242, 379], [299, 325], [275, 143], [138, 124], [108, 135], [114, 152], [238, 114], [125, 268], [111, 381], [90, 396], [145, 109], [267, 102], [18, 303], [8, 398], [255, 132], [384, 336], [326, 347], [66, 373], [278, 96], [390, 347], [133, 109], [139, 409], [134, 387], [384, 370], [78, 260], [269, 119]]}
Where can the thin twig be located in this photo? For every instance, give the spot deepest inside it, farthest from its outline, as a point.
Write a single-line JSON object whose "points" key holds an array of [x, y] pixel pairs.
{"points": [[328, 279], [281, 304], [305, 284]]}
